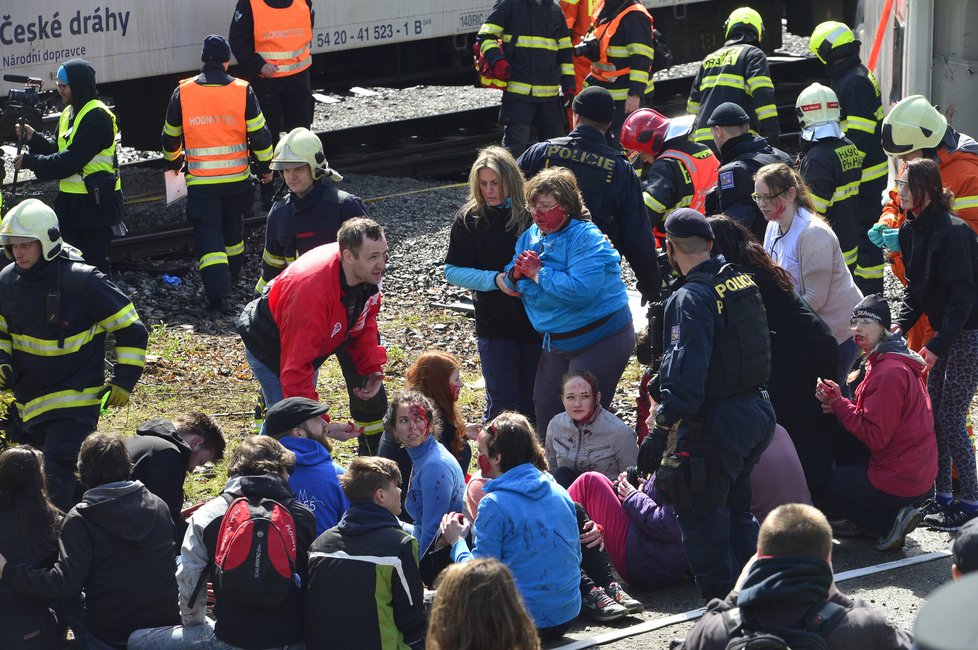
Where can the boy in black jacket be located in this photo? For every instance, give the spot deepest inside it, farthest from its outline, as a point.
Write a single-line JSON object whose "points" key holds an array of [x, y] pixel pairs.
{"points": [[377, 563]]}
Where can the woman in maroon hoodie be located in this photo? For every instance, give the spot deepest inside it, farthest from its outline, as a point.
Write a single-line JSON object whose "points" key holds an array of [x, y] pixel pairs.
{"points": [[892, 416]]}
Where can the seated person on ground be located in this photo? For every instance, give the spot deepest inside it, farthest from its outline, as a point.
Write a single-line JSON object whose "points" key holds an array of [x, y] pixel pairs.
{"points": [[164, 452], [483, 595], [523, 496], [586, 437], [302, 426], [249, 612], [790, 581], [116, 546], [365, 590]]}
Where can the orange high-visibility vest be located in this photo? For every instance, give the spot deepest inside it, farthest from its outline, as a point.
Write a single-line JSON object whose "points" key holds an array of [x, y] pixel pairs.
{"points": [[602, 69], [702, 173], [283, 36], [215, 133]]}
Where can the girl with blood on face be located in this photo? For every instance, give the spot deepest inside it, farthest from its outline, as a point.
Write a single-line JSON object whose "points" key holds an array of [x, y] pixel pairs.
{"points": [[569, 276], [803, 244], [436, 485], [586, 437]]}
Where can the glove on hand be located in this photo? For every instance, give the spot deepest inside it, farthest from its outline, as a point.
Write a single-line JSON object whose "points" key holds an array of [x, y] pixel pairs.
{"points": [[502, 70], [891, 239], [117, 395], [650, 453], [875, 234]]}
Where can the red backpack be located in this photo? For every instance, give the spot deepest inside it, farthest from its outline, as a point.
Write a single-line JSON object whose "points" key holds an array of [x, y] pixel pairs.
{"points": [[255, 557]]}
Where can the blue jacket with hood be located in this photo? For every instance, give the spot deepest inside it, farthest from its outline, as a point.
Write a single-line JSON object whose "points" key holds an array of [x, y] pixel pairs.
{"points": [[528, 522], [315, 482], [437, 487]]}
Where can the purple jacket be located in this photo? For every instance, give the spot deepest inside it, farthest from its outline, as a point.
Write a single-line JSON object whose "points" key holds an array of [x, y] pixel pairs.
{"points": [[654, 543]]}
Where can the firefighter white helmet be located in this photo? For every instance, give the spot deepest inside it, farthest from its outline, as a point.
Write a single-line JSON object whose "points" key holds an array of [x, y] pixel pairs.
{"points": [[913, 124], [818, 113], [32, 219], [303, 147]]}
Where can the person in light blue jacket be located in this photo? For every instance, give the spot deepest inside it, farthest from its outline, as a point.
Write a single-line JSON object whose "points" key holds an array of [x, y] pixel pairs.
{"points": [[437, 485], [527, 521], [569, 276]]}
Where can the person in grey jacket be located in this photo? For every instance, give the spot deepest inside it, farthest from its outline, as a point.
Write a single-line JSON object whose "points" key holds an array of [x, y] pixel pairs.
{"points": [[586, 437]]}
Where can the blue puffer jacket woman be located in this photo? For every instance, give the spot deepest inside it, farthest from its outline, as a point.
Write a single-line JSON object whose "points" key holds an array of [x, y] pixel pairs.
{"points": [[528, 522], [569, 276]]}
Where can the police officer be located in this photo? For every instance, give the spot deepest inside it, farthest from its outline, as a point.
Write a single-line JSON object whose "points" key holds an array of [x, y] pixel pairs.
{"points": [[212, 121], [535, 64], [271, 40], [611, 189], [83, 157], [55, 313], [861, 116], [831, 165], [741, 154], [714, 418], [619, 45], [681, 173], [738, 72]]}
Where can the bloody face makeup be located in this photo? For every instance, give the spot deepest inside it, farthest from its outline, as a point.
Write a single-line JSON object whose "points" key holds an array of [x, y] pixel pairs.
{"points": [[548, 215]]}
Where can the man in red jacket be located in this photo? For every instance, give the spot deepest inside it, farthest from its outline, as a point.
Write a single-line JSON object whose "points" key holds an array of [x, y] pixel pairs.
{"points": [[327, 298]]}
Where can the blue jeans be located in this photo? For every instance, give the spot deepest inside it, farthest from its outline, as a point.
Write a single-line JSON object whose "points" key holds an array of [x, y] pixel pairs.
{"points": [[194, 637], [859, 501], [509, 368], [720, 537]]}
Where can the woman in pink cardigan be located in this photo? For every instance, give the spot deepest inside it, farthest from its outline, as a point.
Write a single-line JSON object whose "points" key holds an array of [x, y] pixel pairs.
{"points": [[892, 416], [803, 244]]}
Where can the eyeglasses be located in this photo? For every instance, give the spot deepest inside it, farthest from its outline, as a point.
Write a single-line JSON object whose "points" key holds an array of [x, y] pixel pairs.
{"points": [[862, 322], [761, 198], [543, 208]]}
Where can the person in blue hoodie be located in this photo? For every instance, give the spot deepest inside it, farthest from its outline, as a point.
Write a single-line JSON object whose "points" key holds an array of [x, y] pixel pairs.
{"points": [[436, 486], [527, 521], [569, 276], [302, 426]]}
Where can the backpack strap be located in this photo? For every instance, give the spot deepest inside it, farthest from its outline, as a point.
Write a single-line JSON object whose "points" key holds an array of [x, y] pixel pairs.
{"points": [[209, 569], [733, 622], [825, 617]]}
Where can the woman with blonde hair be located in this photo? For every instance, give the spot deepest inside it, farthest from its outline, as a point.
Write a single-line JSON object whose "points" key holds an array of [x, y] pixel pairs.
{"points": [[482, 240], [803, 244], [477, 607]]}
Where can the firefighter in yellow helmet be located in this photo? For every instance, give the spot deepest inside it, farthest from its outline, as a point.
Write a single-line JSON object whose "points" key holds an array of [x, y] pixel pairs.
{"points": [[738, 72], [55, 313], [831, 165], [861, 117]]}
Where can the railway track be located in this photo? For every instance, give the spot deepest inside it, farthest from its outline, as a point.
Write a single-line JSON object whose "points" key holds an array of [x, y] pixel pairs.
{"points": [[442, 146]]}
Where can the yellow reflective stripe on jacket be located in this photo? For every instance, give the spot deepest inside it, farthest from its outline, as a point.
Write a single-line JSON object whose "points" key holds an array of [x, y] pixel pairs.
{"points": [[693, 108], [567, 69], [122, 318], [210, 259], [754, 83], [846, 191], [821, 205], [370, 428], [766, 112], [521, 88], [256, 123], [640, 76], [171, 155], [103, 161], [50, 347], [874, 172], [851, 256], [652, 204], [859, 124], [729, 80], [536, 42], [172, 131], [281, 55], [291, 67], [6, 346], [702, 135], [492, 82], [491, 30], [618, 94], [964, 202], [64, 399], [131, 356], [216, 164], [869, 272], [224, 178], [216, 151], [260, 286], [235, 249], [273, 260]]}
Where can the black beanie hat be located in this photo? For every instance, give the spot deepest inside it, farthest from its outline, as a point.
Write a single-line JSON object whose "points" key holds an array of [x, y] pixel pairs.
{"points": [[873, 306], [595, 103], [215, 50]]}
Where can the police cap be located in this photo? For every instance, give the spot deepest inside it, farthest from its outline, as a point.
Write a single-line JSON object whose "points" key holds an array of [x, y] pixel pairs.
{"points": [[687, 222], [728, 114], [595, 103], [215, 50]]}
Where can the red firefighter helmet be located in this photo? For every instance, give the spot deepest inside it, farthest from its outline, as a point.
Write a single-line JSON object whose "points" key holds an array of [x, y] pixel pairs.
{"points": [[646, 131]]}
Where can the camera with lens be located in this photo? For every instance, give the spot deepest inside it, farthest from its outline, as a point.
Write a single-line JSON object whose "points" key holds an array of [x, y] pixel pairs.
{"points": [[588, 48], [29, 95]]}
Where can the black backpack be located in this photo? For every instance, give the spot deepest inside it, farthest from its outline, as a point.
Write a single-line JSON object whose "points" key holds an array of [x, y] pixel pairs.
{"points": [[808, 634]]}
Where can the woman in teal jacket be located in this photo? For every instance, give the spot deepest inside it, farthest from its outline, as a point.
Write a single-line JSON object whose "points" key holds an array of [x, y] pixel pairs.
{"points": [[570, 278]]}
